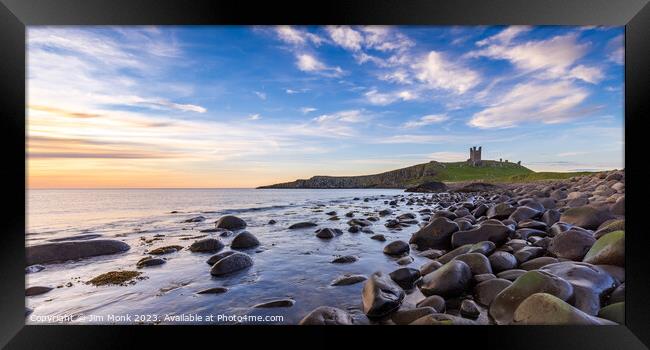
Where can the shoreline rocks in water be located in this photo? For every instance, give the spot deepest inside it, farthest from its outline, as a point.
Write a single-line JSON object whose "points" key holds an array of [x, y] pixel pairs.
{"points": [[115, 277], [231, 263], [73, 250]]}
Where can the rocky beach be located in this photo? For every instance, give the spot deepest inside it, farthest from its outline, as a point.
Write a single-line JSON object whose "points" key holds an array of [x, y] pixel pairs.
{"points": [[540, 252]]}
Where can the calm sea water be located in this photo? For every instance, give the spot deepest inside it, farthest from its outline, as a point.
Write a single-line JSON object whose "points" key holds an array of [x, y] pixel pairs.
{"points": [[289, 263]]}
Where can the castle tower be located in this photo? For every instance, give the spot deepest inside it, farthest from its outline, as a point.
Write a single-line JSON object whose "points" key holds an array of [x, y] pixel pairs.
{"points": [[475, 155]]}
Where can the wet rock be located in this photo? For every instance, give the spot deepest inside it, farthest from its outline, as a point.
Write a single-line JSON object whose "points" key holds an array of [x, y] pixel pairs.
{"points": [[165, 250], [483, 277], [206, 245], [618, 294], [501, 261], [468, 309], [547, 309], [195, 219], [436, 234], [608, 250], [497, 233], [477, 263], [524, 213], [505, 303], [396, 248], [447, 281], [73, 250], [500, 211], [405, 260], [359, 222], [149, 261], [213, 259], [354, 229], [37, 290], [431, 253], [618, 208], [347, 259], [572, 244], [385, 212], [527, 253], [586, 217], [231, 263], [331, 213], [486, 291], [348, 279], [327, 315], [454, 253], [301, 225], [34, 268], [275, 303], [526, 233], [272, 222], [115, 277], [435, 301], [538, 263], [328, 233], [443, 319], [244, 240], [403, 317], [379, 237], [613, 312], [610, 226], [381, 296], [230, 222], [405, 277], [486, 248], [511, 275], [214, 290], [591, 284], [551, 216]]}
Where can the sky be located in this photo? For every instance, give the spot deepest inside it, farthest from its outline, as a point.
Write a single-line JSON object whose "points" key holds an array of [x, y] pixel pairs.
{"points": [[242, 106]]}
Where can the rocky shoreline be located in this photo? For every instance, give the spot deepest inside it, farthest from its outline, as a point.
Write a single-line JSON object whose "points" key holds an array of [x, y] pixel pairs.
{"points": [[548, 252]]}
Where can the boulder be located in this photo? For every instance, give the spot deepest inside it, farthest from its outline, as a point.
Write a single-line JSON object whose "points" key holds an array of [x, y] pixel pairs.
{"points": [[328, 233], [206, 245], [586, 217], [478, 263], [608, 250], [469, 309], [443, 319], [486, 291], [403, 317], [436, 234], [547, 309], [486, 232], [327, 315], [537, 263], [213, 259], [231, 263], [500, 211], [591, 284], [396, 248], [435, 301], [613, 312], [572, 244], [381, 295], [511, 275], [452, 279], [346, 259], [301, 225], [244, 240], [405, 277], [501, 261], [37, 290], [73, 250], [230, 222], [525, 213], [348, 279], [149, 261], [505, 303]]}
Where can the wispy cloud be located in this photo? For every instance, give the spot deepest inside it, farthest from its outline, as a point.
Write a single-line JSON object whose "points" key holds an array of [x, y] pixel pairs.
{"points": [[311, 64], [426, 120]]}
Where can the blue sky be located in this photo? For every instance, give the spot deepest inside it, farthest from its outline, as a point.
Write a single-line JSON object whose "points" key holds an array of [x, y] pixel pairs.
{"points": [[239, 106]]}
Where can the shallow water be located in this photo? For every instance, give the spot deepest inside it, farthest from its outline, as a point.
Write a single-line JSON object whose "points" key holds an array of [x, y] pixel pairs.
{"points": [[289, 263]]}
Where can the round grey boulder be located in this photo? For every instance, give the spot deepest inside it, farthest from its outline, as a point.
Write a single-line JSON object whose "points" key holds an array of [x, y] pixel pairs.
{"points": [[231, 263], [381, 295], [206, 245], [230, 222], [244, 240]]}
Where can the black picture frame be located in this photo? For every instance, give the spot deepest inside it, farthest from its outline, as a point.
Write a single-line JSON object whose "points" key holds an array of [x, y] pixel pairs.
{"points": [[15, 15]]}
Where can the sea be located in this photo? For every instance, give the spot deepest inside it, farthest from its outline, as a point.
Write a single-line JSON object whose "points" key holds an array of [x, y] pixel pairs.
{"points": [[289, 264]]}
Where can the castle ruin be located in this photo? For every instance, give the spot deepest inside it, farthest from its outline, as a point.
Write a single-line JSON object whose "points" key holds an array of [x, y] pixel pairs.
{"points": [[475, 156]]}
